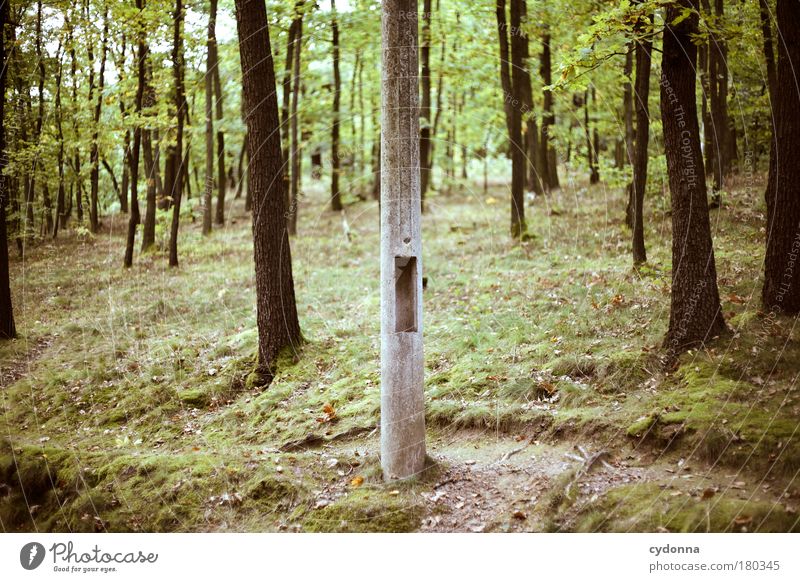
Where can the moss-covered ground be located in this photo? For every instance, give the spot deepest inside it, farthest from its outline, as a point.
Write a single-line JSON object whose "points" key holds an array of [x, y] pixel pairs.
{"points": [[127, 402]]}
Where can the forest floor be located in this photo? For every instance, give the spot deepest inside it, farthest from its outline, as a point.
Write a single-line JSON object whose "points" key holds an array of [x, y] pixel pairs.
{"points": [[127, 403]]}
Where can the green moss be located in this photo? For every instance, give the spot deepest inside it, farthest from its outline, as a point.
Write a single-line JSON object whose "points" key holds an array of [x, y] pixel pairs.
{"points": [[647, 508], [365, 511]]}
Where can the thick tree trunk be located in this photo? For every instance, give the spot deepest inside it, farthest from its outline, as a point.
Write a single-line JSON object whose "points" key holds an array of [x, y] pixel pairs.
{"points": [[425, 105], [695, 313], [781, 291], [135, 217], [94, 157], [7, 328], [336, 198], [278, 325], [640, 157], [180, 106], [518, 226], [402, 362]]}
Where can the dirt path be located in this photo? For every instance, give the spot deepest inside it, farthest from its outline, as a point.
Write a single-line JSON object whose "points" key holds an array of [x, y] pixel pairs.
{"points": [[18, 368]]}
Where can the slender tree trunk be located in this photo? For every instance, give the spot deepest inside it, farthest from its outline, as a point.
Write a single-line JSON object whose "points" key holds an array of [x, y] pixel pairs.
{"points": [[548, 161], [505, 63], [126, 145], [781, 291], [294, 121], [534, 180], [222, 182], [287, 94], [180, 106], [627, 114], [518, 80], [135, 217], [336, 199], [641, 96], [150, 168], [94, 217], [695, 313], [278, 324], [76, 163], [7, 328], [208, 191], [425, 106], [438, 114], [594, 175], [59, 116], [769, 51]]}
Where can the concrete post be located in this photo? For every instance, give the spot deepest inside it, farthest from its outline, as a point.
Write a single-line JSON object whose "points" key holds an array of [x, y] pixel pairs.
{"points": [[402, 364]]}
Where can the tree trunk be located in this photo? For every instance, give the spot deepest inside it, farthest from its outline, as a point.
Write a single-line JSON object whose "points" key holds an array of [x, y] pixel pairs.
{"points": [[278, 325], [505, 61], [425, 106], [208, 191], [769, 51], [781, 291], [641, 96], [547, 154], [695, 313], [135, 217], [533, 180], [287, 92], [294, 121], [402, 363], [627, 155], [594, 175], [94, 157], [222, 182], [336, 199], [180, 106], [7, 328], [59, 116], [518, 226]]}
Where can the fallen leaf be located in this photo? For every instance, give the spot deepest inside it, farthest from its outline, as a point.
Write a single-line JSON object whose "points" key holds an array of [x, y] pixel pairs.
{"points": [[356, 481], [709, 493], [521, 515]]}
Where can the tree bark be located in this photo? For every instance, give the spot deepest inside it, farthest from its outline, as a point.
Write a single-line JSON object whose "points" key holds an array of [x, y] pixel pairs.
{"points": [[548, 161], [336, 199], [505, 62], [781, 291], [518, 226], [222, 181], [531, 138], [695, 313], [150, 170], [594, 175], [278, 325], [59, 117], [640, 158], [7, 328], [135, 217], [94, 156], [208, 191], [180, 106], [294, 122], [769, 51]]}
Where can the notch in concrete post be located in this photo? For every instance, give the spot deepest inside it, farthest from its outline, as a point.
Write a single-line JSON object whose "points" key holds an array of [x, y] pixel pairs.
{"points": [[405, 294], [402, 364]]}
